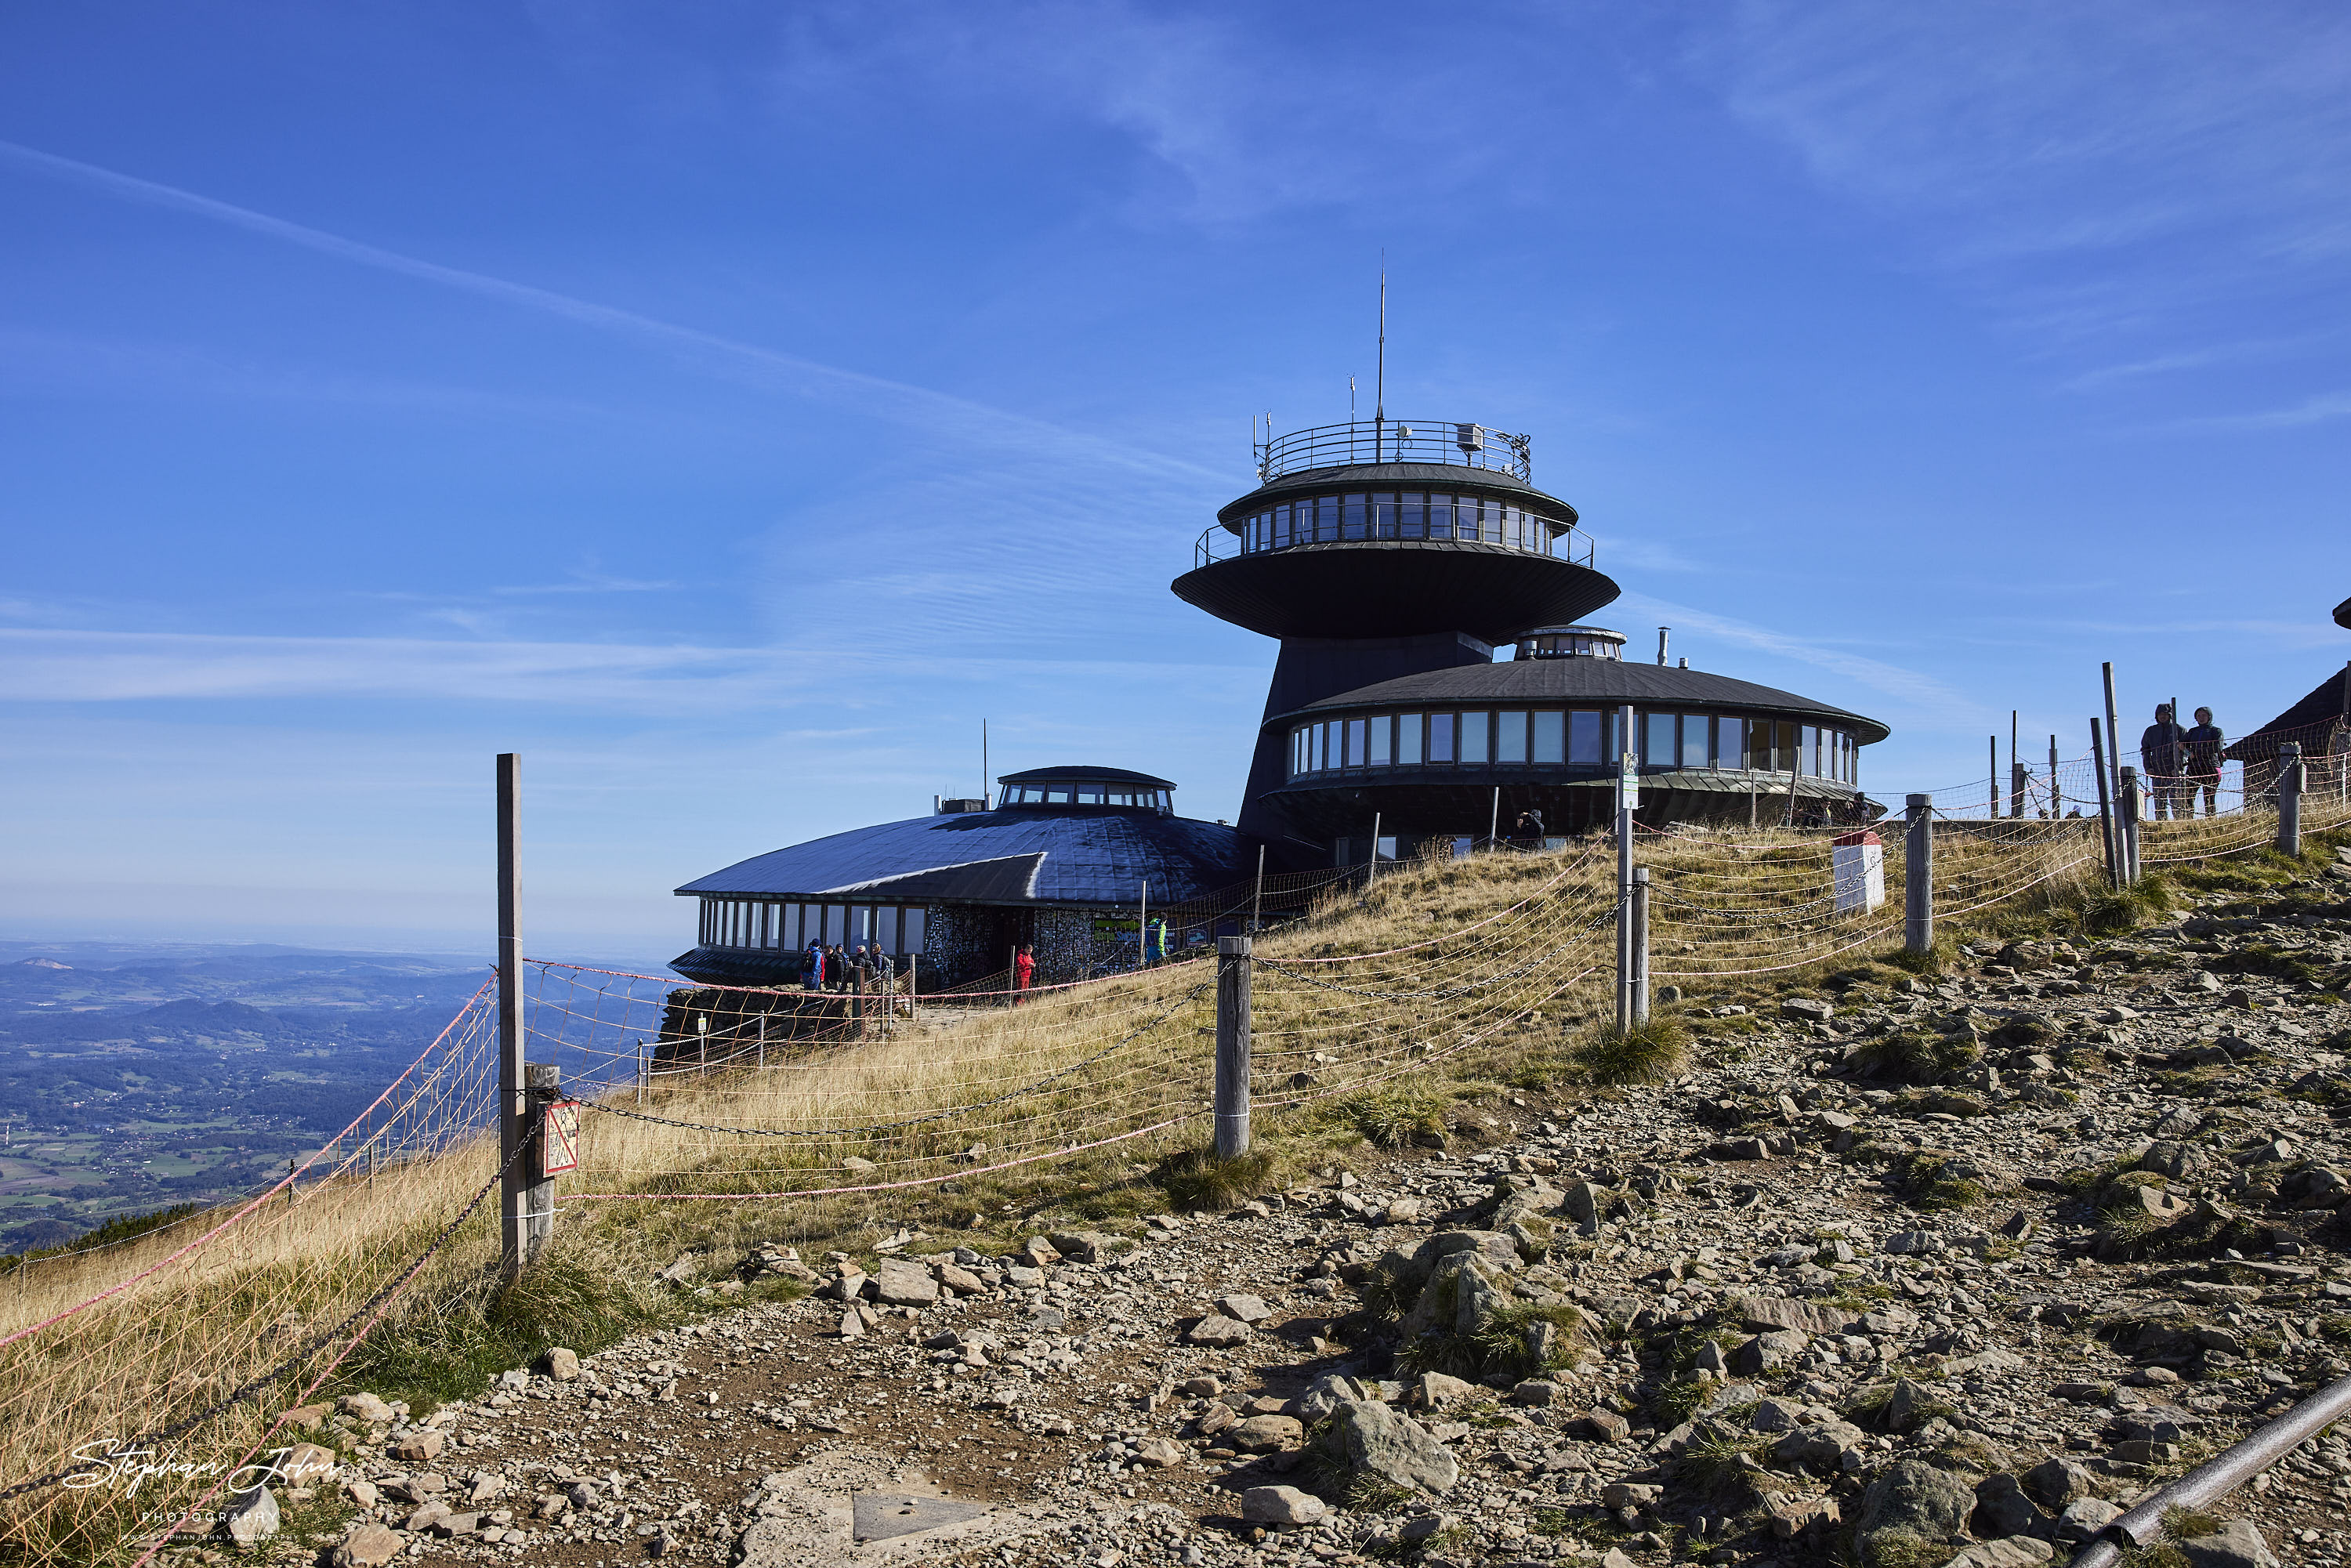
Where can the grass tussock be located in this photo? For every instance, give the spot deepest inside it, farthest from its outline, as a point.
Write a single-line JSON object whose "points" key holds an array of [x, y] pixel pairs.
{"points": [[1914, 1056], [1197, 1179], [1396, 1114], [1655, 1051]]}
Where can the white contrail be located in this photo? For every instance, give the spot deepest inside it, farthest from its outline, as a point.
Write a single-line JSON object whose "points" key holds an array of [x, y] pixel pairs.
{"points": [[931, 411]]}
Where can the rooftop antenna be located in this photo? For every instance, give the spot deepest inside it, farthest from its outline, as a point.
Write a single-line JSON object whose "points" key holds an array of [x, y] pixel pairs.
{"points": [[1351, 400], [982, 765], [1380, 382]]}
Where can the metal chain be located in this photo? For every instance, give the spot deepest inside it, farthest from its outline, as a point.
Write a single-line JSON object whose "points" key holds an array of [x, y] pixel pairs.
{"points": [[251, 1389], [928, 1116]]}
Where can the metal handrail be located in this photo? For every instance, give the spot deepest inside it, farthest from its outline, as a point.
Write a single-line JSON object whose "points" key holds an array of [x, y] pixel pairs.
{"points": [[1217, 542], [1443, 440]]}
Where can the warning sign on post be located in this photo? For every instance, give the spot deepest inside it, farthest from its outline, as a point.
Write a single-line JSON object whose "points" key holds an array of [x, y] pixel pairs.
{"points": [[1628, 782], [558, 1138]]}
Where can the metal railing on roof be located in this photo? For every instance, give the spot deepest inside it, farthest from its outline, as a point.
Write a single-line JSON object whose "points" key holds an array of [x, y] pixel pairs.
{"points": [[1443, 440], [1217, 542]]}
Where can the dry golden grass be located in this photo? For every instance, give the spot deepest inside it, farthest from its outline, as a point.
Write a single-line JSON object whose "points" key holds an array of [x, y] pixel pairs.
{"points": [[1461, 972]]}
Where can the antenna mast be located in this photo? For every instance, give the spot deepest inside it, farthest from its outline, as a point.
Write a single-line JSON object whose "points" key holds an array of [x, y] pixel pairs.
{"points": [[1380, 384]]}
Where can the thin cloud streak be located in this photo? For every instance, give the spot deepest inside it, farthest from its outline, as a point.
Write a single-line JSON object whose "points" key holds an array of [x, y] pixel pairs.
{"points": [[896, 400], [43, 666]]}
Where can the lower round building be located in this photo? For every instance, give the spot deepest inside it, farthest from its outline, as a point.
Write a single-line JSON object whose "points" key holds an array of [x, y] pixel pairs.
{"points": [[1066, 859], [1459, 752]]}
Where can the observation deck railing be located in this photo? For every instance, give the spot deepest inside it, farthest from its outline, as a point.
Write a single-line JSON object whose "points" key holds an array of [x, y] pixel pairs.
{"points": [[1219, 543], [1443, 440]]}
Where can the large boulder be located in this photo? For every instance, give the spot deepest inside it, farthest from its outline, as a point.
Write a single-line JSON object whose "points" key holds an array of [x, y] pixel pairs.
{"points": [[1460, 1291], [2003, 1507], [1375, 1441], [1281, 1506], [903, 1282], [369, 1546], [1913, 1500], [2236, 1544], [250, 1518]]}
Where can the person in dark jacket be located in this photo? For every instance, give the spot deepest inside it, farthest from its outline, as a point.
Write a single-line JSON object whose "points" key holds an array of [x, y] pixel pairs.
{"points": [[2204, 744], [2162, 749]]}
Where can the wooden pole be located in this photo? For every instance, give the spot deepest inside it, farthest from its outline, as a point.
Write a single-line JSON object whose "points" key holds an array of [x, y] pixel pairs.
{"points": [[1919, 875], [1626, 801], [2105, 806], [514, 1105], [1232, 1105], [1373, 869], [1992, 778], [1257, 899], [2114, 738], [1143, 928], [2056, 793], [1493, 822], [2289, 797]]}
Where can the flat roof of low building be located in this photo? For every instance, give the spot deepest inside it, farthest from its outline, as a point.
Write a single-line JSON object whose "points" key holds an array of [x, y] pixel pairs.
{"points": [[1599, 683]]}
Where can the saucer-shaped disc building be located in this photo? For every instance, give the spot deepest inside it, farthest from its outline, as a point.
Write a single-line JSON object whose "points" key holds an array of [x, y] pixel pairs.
{"points": [[1391, 559]]}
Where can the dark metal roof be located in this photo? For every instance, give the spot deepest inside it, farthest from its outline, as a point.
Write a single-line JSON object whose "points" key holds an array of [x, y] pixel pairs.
{"points": [[1395, 588], [1598, 682], [2326, 701], [1023, 856], [1400, 476], [2343, 614], [1087, 775]]}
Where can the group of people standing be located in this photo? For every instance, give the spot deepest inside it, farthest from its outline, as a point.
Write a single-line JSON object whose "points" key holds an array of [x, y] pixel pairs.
{"points": [[2179, 762], [837, 969]]}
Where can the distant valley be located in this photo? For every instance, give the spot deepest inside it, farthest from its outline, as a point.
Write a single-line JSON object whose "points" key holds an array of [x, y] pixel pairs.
{"points": [[138, 1076]]}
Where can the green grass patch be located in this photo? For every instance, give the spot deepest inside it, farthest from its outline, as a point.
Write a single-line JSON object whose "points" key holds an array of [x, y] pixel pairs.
{"points": [[1656, 1050]]}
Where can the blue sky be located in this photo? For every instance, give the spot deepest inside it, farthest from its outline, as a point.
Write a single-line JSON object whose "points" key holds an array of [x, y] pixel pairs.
{"points": [[729, 406]]}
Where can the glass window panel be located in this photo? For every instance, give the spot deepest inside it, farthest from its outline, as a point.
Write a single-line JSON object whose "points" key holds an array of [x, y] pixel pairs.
{"points": [[1091, 795], [1586, 745], [1409, 740], [1474, 725], [1783, 747], [913, 935], [1415, 515], [1351, 517], [1440, 737], [1550, 743], [1440, 516], [1510, 736], [1726, 743], [1695, 749], [1657, 739], [1383, 727], [1386, 514], [1354, 743]]}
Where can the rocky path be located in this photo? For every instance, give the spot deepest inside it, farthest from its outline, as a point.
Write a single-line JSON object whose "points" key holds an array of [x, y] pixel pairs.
{"points": [[1906, 1273]]}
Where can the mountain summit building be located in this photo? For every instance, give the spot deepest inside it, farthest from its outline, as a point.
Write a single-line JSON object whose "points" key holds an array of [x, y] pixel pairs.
{"points": [[1389, 560]]}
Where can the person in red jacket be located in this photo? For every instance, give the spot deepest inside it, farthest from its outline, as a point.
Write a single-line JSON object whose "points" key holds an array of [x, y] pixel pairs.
{"points": [[1024, 970]]}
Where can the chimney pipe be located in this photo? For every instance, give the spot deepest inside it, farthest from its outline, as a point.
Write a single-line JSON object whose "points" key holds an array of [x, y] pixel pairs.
{"points": [[1661, 643]]}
